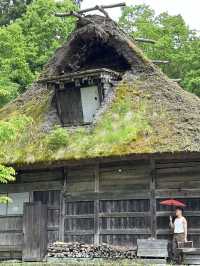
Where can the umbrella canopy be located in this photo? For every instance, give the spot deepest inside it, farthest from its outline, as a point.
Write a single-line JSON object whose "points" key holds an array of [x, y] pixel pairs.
{"points": [[172, 202]]}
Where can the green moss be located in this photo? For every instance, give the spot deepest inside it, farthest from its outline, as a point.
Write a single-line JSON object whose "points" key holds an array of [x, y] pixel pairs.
{"points": [[57, 139], [123, 124], [122, 129], [132, 123]]}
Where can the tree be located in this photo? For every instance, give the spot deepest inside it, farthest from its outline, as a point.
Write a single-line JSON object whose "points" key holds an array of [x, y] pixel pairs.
{"points": [[7, 174], [10, 10], [28, 43], [174, 42], [10, 130], [43, 31]]}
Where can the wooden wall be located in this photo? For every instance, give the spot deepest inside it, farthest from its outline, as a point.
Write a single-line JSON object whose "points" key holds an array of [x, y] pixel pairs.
{"points": [[113, 203], [108, 203], [43, 186], [118, 202], [181, 180], [11, 237]]}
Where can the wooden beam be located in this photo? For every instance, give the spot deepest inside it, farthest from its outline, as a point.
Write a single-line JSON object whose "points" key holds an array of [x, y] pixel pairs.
{"points": [[79, 14], [176, 80], [133, 231], [62, 206], [160, 62], [152, 198], [125, 214], [109, 215], [186, 213], [27, 187], [137, 194], [96, 206], [145, 40], [177, 193], [191, 231], [102, 6]]}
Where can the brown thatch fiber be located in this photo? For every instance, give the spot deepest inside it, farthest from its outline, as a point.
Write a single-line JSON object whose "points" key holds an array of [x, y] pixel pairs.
{"points": [[148, 113]]}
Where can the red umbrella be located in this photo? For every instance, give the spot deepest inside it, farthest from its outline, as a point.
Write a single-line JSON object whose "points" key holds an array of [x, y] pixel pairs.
{"points": [[172, 202]]}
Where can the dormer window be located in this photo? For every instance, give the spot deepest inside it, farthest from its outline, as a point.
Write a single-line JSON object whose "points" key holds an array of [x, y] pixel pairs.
{"points": [[80, 95]]}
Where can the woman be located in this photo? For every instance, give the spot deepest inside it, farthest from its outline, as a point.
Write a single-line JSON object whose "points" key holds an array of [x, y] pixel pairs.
{"points": [[179, 227]]}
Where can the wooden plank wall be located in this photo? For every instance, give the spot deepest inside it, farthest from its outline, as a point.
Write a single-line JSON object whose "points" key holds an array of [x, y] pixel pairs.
{"points": [[11, 237], [35, 231], [52, 200], [108, 203], [117, 203], [181, 180], [28, 181], [37, 183]]}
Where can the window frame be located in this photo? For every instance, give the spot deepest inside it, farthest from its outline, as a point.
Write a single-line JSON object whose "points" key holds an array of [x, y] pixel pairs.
{"points": [[60, 106], [7, 194]]}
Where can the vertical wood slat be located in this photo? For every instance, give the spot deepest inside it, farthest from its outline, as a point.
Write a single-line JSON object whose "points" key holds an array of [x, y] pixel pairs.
{"points": [[96, 207], [35, 231], [62, 208], [152, 198]]}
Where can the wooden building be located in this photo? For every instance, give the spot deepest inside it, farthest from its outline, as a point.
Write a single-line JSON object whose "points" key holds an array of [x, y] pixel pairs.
{"points": [[128, 137]]}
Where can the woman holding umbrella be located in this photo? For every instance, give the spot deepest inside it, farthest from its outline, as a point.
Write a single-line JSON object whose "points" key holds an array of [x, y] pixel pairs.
{"points": [[179, 225]]}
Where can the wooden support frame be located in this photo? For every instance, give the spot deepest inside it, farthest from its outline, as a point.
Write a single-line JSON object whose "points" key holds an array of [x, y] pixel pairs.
{"points": [[152, 197], [96, 206], [62, 207], [79, 14], [144, 40]]}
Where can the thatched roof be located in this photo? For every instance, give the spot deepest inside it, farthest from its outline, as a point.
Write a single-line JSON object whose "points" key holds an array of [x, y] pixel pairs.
{"points": [[147, 114]]}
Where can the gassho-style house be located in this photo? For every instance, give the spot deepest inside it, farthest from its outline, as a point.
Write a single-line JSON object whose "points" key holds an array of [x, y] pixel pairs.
{"points": [[110, 136]]}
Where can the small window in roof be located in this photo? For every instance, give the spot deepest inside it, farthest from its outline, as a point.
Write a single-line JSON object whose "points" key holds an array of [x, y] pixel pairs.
{"points": [[79, 96]]}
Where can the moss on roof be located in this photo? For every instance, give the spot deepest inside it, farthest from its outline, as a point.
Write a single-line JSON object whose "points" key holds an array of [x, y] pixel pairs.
{"points": [[148, 114]]}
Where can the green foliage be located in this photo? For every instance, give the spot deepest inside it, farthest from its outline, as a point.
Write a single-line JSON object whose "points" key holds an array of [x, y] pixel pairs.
{"points": [[58, 138], [14, 69], [7, 174], [11, 129], [10, 10], [8, 90], [43, 31], [28, 43], [174, 42]]}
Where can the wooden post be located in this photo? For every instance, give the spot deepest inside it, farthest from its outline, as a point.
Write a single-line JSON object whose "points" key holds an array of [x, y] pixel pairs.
{"points": [[62, 208], [79, 14], [35, 231], [96, 206], [153, 198]]}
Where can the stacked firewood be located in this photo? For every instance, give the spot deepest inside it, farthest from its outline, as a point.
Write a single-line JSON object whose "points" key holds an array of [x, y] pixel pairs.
{"points": [[79, 250]]}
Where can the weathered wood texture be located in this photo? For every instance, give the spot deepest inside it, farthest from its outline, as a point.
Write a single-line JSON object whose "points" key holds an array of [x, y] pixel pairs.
{"points": [[179, 179], [116, 203], [69, 105], [152, 248], [52, 200], [35, 231], [11, 237], [128, 199], [37, 180], [37, 183], [99, 217]]}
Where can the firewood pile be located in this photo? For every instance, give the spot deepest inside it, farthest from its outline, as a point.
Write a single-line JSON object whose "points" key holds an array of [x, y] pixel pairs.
{"points": [[79, 250]]}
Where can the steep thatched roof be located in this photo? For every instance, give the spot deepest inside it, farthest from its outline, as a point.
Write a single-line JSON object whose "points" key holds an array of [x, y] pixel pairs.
{"points": [[147, 114]]}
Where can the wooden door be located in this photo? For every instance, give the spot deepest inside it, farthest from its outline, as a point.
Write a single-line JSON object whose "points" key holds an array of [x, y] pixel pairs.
{"points": [[90, 102], [35, 231]]}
